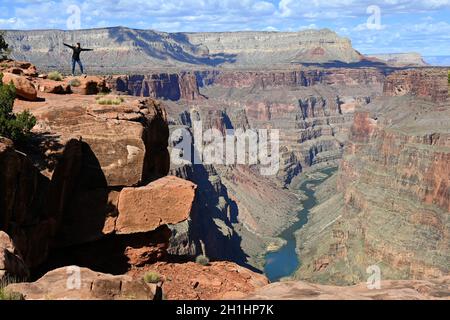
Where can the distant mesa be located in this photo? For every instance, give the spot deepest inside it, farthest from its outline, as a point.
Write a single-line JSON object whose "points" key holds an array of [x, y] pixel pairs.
{"points": [[410, 59], [121, 49]]}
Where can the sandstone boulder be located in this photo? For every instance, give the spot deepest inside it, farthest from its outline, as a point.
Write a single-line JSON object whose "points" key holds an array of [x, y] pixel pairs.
{"points": [[87, 85], [21, 68], [424, 82], [11, 263], [168, 200], [24, 87], [74, 283]]}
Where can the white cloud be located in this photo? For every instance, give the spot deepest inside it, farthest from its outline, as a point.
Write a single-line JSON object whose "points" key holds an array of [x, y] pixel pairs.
{"points": [[348, 17]]}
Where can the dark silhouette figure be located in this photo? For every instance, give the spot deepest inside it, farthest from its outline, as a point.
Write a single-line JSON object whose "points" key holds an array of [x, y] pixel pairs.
{"points": [[158, 292], [76, 56]]}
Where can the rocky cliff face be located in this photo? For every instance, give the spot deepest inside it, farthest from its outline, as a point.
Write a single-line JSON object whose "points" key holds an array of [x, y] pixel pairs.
{"points": [[392, 205], [313, 110], [290, 78], [83, 184], [123, 50], [173, 87], [271, 48], [428, 83]]}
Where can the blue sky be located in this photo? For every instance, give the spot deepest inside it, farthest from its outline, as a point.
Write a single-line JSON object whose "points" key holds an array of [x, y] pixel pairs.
{"points": [[420, 25]]}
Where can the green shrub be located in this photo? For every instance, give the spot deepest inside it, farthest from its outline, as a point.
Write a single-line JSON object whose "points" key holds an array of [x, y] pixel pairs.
{"points": [[202, 259], [74, 83], [6, 295], [152, 277], [4, 49], [111, 101], [55, 76], [16, 127]]}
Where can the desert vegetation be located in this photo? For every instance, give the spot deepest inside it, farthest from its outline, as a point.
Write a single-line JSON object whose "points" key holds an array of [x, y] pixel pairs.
{"points": [[16, 127], [55, 76]]}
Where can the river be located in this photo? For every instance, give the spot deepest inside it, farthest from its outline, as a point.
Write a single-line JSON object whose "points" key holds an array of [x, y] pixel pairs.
{"points": [[284, 262]]}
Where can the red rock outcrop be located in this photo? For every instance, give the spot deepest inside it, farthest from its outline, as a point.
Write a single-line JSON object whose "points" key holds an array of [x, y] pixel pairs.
{"points": [[393, 198], [191, 281], [51, 86], [168, 200], [425, 82], [24, 87], [87, 85], [287, 78], [74, 283], [174, 86], [89, 153]]}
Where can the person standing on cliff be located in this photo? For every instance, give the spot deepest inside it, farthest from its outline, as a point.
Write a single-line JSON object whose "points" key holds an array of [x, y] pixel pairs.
{"points": [[76, 56]]}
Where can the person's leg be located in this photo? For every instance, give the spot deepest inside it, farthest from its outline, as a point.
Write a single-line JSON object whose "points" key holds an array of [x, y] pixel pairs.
{"points": [[81, 66], [73, 67]]}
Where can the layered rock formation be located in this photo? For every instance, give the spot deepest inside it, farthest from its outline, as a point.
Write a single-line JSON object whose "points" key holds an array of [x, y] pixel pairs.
{"points": [[410, 59], [173, 87], [11, 263], [428, 83], [191, 281], [93, 191], [22, 204], [391, 208], [122, 50]]}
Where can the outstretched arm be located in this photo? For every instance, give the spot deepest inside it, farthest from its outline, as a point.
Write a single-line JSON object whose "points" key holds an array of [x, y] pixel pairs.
{"points": [[67, 45], [87, 49]]}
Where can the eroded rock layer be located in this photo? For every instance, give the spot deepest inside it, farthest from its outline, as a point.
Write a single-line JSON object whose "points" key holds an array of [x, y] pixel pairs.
{"points": [[391, 208]]}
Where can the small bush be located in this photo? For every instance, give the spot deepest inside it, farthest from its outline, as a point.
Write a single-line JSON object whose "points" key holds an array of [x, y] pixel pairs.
{"points": [[74, 83], [111, 101], [16, 127], [55, 76], [6, 295], [152, 277], [203, 260]]}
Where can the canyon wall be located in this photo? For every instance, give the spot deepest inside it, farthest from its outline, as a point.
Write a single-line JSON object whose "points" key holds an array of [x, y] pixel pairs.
{"points": [[427, 82], [166, 86], [312, 109], [389, 204], [123, 50]]}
